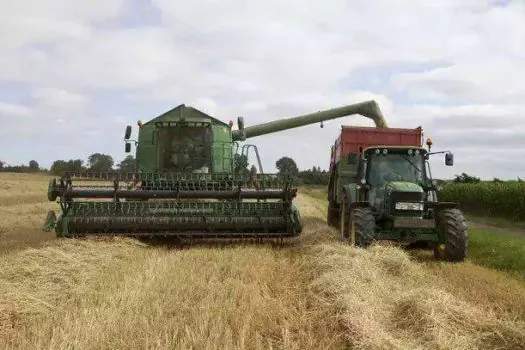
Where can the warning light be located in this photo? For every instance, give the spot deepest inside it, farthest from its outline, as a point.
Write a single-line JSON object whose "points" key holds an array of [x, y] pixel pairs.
{"points": [[429, 143], [231, 123], [139, 123]]}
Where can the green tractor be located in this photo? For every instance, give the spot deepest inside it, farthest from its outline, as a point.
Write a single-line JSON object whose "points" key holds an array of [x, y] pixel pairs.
{"points": [[386, 192], [188, 182]]}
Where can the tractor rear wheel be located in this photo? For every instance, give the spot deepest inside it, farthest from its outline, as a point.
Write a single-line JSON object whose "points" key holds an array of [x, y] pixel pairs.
{"points": [[453, 226], [363, 223]]}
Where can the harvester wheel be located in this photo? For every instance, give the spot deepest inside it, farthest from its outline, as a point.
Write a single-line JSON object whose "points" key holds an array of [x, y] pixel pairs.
{"points": [[363, 226], [453, 227]]}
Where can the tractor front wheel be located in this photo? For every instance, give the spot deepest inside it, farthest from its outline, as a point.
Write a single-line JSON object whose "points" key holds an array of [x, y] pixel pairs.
{"points": [[453, 227], [357, 225]]}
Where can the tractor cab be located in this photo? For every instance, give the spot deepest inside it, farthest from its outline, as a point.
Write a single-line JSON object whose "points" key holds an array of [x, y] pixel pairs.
{"points": [[396, 181], [385, 164]]}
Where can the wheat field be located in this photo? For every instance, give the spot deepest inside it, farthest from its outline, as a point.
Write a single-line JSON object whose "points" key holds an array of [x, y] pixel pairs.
{"points": [[314, 292]]}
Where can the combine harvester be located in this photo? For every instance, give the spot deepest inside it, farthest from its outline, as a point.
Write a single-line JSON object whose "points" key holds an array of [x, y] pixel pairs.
{"points": [[381, 188], [185, 184]]}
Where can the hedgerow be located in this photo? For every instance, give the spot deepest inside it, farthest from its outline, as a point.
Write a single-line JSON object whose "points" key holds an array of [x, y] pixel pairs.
{"points": [[496, 199]]}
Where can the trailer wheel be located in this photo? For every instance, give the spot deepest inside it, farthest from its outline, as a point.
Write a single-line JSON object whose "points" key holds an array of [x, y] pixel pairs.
{"points": [[344, 217], [363, 226], [332, 215], [454, 228]]}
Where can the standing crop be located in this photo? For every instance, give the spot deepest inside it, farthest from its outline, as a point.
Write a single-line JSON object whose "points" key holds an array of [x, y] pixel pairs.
{"points": [[497, 199]]}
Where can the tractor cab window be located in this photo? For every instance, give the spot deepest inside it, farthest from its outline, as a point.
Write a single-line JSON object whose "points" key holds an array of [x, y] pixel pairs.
{"points": [[395, 167], [183, 149]]}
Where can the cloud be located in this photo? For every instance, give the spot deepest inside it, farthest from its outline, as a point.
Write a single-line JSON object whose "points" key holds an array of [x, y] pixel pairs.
{"points": [[8, 110], [59, 98], [454, 67], [29, 22]]}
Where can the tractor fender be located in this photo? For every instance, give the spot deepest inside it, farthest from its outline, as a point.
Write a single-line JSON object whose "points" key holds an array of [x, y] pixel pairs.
{"points": [[350, 191], [445, 205]]}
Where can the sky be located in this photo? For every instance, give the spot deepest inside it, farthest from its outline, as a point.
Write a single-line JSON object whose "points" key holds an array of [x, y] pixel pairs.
{"points": [[73, 74]]}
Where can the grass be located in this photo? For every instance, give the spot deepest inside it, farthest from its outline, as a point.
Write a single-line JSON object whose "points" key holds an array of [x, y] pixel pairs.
{"points": [[313, 293], [498, 251]]}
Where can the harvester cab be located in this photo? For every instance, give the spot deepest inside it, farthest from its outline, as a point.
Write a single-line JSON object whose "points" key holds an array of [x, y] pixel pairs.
{"points": [[386, 192]]}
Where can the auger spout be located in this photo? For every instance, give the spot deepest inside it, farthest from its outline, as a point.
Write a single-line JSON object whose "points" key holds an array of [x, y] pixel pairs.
{"points": [[369, 109]]}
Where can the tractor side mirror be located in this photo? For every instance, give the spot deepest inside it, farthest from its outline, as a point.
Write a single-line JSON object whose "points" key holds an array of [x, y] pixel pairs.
{"points": [[449, 159], [127, 134], [128, 147]]}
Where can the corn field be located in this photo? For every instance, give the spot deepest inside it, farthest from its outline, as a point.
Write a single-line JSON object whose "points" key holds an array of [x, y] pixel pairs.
{"points": [[496, 199]]}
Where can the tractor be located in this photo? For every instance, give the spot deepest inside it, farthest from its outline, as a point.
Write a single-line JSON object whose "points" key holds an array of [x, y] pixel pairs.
{"points": [[381, 188]]}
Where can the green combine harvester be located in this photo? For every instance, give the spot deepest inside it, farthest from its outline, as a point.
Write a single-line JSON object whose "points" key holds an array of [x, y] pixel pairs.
{"points": [[187, 184]]}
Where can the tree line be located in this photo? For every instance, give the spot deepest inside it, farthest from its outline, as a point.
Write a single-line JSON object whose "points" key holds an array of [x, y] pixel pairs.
{"points": [[286, 166], [99, 162], [32, 167], [96, 162]]}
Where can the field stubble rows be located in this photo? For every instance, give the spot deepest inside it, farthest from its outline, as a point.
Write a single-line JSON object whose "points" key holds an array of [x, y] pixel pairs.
{"points": [[311, 293]]}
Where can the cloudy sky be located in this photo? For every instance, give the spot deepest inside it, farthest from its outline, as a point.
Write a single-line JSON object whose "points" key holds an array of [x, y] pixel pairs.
{"points": [[74, 73]]}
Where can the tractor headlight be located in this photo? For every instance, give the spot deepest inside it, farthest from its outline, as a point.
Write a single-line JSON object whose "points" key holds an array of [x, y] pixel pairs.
{"points": [[409, 206]]}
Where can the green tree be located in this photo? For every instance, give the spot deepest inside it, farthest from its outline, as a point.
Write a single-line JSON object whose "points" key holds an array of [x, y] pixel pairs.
{"points": [[100, 162], [127, 165], [465, 178], [287, 165], [314, 176], [240, 164], [33, 165], [59, 166]]}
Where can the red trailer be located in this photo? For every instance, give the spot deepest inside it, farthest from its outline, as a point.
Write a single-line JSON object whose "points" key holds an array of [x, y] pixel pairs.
{"points": [[353, 139]]}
